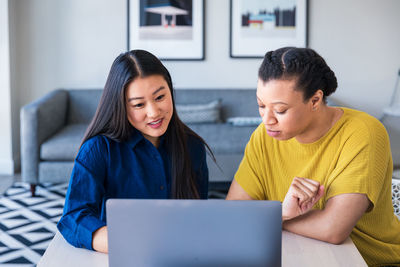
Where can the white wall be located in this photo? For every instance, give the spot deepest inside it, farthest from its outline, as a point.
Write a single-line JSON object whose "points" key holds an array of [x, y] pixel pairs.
{"points": [[218, 70], [60, 44], [6, 160], [66, 43], [360, 40], [72, 43], [15, 75]]}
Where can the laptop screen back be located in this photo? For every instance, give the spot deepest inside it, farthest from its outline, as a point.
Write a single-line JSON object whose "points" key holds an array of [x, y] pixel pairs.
{"points": [[193, 233]]}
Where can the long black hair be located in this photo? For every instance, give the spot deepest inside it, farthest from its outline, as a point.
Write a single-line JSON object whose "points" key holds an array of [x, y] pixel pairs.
{"points": [[303, 64], [111, 119]]}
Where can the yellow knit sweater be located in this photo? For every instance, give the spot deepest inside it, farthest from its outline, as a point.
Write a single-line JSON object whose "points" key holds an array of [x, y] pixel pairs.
{"points": [[352, 157]]}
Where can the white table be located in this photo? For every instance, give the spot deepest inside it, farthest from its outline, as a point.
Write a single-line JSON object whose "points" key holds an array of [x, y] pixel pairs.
{"points": [[296, 251]]}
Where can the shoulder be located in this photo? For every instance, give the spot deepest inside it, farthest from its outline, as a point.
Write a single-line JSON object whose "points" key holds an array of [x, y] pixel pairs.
{"points": [[95, 142], [361, 125], [358, 131], [96, 146], [360, 118]]}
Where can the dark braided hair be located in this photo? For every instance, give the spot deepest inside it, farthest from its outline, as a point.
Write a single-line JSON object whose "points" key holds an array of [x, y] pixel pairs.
{"points": [[303, 64]]}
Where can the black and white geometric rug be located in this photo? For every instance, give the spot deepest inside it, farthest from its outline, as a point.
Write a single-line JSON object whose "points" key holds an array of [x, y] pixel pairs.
{"points": [[27, 224]]}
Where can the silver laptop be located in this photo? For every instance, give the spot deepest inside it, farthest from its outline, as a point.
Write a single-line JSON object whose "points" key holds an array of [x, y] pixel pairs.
{"points": [[174, 233]]}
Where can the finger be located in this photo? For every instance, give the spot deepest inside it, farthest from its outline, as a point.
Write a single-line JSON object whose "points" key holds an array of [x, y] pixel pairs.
{"points": [[298, 193], [308, 205], [305, 206], [315, 182], [301, 192], [311, 184], [305, 189], [320, 193]]}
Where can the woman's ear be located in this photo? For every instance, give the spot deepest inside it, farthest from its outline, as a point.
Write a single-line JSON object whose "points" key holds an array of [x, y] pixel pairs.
{"points": [[317, 99]]}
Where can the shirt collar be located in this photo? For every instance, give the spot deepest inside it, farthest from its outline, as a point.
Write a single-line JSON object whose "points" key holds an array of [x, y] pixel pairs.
{"points": [[137, 136]]}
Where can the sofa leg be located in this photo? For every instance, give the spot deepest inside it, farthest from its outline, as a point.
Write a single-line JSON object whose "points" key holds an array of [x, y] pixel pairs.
{"points": [[33, 189]]}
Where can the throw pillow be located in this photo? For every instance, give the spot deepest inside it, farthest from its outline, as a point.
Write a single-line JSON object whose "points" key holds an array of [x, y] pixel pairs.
{"points": [[200, 113], [245, 121]]}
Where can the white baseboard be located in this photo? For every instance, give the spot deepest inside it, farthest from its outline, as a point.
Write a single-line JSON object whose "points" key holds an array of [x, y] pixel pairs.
{"points": [[6, 167]]}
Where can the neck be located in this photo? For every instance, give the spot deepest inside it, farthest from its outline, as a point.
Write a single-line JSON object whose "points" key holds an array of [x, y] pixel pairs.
{"points": [[154, 140], [321, 123]]}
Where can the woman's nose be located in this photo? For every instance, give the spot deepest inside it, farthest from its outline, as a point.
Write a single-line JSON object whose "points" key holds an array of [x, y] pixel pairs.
{"points": [[152, 110], [269, 118]]}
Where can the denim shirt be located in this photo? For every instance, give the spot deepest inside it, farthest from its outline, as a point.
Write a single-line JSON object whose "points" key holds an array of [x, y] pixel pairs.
{"points": [[109, 169]]}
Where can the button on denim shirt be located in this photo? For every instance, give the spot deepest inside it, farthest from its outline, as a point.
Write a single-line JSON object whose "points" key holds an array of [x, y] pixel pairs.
{"points": [[109, 169]]}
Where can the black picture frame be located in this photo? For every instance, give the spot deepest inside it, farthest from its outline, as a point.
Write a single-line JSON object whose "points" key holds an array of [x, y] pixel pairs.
{"points": [[168, 41], [245, 42]]}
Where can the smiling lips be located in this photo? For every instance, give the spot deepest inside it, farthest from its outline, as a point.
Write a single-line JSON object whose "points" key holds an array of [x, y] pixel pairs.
{"points": [[156, 124]]}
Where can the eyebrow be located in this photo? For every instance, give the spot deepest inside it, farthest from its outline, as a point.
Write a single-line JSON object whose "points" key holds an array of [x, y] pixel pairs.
{"points": [[279, 102], [275, 103], [155, 92]]}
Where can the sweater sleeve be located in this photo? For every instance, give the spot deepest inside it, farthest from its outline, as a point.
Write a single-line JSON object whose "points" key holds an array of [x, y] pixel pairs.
{"points": [[363, 163], [251, 174], [85, 195]]}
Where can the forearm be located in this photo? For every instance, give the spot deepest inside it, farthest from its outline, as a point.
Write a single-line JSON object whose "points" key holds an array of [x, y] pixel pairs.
{"points": [[321, 225], [333, 223], [100, 240]]}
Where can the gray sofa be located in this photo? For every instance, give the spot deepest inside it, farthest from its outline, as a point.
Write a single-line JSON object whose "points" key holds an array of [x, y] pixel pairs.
{"points": [[52, 128]]}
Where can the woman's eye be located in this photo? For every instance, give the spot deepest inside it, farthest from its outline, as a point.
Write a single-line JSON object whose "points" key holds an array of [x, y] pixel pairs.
{"points": [[138, 105], [280, 112], [160, 97], [261, 106]]}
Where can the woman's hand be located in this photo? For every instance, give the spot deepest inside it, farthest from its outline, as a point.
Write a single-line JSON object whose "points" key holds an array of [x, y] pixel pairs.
{"points": [[302, 195]]}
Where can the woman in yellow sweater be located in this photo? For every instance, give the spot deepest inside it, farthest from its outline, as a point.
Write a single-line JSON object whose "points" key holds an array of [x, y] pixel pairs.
{"points": [[331, 167]]}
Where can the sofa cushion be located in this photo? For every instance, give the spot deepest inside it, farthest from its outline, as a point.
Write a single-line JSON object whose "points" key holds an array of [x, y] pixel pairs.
{"points": [[64, 145], [235, 102], [224, 138], [55, 171], [200, 113]]}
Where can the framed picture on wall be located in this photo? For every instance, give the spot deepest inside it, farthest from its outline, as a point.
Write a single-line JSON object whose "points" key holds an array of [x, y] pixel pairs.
{"points": [[258, 26], [171, 30]]}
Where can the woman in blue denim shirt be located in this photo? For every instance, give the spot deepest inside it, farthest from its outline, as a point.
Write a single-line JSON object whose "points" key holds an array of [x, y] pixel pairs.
{"points": [[135, 147]]}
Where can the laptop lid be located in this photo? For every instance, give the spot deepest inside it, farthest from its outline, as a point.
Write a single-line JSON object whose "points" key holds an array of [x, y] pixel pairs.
{"points": [[194, 233]]}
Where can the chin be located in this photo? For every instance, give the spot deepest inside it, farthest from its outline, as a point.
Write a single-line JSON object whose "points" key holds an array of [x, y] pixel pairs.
{"points": [[283, 137], [158, 133]]}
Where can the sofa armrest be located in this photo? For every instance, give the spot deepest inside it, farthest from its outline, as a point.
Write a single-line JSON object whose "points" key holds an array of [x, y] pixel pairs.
{"points": [[40, 119]]}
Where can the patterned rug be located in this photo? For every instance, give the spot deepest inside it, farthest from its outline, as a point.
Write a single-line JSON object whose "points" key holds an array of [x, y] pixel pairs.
{"points": [[27, 224]]}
